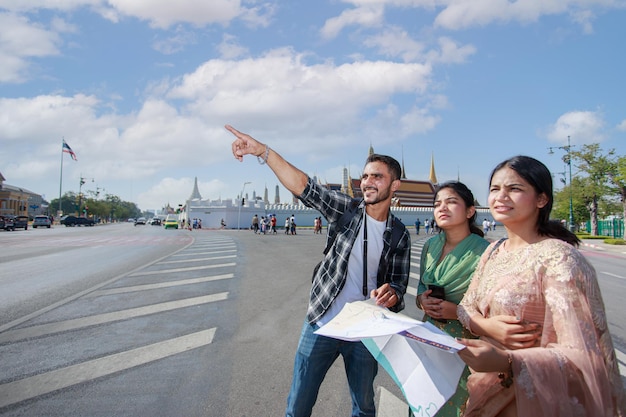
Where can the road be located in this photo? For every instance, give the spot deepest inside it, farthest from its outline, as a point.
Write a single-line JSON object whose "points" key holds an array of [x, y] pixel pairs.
{"points": [[137, 321]]}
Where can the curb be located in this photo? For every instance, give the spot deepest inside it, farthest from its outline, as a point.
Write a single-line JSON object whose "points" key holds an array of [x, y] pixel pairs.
{"points": [[618, 250], [591, 245]]}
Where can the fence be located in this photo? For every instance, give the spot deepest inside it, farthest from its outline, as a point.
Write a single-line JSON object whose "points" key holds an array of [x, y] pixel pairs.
{"points": [[613, 228]]}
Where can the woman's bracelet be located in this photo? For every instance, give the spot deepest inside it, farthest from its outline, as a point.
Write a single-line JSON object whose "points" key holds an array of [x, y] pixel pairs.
{"points": [[506, 378], [263, 160]]}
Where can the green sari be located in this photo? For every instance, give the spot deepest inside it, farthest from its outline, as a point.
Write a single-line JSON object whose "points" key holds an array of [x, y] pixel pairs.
{"points": [[454, 273]]}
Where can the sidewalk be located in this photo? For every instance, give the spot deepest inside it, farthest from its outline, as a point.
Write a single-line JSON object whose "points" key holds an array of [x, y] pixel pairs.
{"points": [[588, 244], [599, 245]]}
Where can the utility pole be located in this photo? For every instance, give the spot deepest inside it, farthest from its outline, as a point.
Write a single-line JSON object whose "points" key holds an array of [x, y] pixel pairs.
{"points": [[80, 195], [568, 160]]}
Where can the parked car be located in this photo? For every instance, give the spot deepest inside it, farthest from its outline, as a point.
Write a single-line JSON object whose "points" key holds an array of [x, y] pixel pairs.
{"points": [[41, 221], [6, 223], [71, 221], [140, 220], [170, 222], [19, 222]]}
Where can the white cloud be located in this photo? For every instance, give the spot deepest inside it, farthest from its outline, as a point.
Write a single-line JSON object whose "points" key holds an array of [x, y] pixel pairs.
{"points": [[583, 127], [54, 115], [34, 5], [175, 42], [463, 14], [229, 48], [180, 123], [280, 89], [20, 41], [396, 42], [622, 126], [164, 13], [371, 15], [450, 52]]}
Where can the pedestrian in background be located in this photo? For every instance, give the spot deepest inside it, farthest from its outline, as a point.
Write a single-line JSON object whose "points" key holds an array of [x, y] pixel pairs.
{"points": [[255, 224], [534, 300], [292, 224], [361, 264]]}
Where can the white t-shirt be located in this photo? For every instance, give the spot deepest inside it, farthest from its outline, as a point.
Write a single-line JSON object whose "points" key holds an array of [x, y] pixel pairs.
{"points": [[353, 288]]}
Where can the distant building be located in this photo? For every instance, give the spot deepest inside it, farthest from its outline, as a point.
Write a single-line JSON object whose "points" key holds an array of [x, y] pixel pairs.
{"points": [[412, 193], [20, 201], [413, 199]]}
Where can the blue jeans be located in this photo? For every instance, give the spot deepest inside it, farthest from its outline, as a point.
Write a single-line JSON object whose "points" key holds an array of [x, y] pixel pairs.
{"points": [[314, 358]]}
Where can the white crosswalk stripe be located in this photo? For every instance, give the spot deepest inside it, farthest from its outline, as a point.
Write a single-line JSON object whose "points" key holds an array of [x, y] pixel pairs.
{"points": [[205, 254]]}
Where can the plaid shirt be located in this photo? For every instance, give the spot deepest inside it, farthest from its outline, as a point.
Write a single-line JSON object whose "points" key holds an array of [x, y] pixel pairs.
{"points": [[330, 277]]}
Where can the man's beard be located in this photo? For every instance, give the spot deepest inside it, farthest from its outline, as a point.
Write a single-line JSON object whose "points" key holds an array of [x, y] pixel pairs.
{"points": [[380, 195]]}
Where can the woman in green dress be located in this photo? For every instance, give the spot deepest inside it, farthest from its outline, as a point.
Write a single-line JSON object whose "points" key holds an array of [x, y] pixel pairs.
{"points": [[447, 263]]}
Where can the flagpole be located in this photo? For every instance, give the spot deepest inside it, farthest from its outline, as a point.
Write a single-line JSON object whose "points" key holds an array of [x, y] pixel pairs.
{"points": [[61, 179]]}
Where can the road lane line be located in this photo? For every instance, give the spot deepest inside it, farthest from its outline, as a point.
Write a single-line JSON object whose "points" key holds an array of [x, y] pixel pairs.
{"points": [[213, 252], [613, 275], [219, 245], [180, 261], [134, 288], [73, 297], [191, 268], [12, 336], [34, 386]]}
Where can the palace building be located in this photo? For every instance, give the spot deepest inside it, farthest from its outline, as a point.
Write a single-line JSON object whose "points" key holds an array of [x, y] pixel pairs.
{"points": [[412, 193]]}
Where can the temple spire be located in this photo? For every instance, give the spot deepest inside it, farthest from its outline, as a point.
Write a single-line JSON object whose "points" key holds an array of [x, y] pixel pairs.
{"points": [[403, 176], [195, 194], [432, 177]]}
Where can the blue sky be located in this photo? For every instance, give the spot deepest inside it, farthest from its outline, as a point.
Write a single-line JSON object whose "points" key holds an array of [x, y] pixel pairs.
{"points": [[141, 89]]}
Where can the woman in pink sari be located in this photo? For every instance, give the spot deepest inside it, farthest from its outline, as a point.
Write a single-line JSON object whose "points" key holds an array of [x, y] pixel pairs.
{"points": [[534, 300]]}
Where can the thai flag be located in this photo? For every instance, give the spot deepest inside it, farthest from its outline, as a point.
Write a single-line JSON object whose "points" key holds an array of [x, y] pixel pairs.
{"points": [[67, 149]]}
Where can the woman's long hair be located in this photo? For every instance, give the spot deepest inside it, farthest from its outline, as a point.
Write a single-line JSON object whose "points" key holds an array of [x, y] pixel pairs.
{"points": [[468, 198], [539, 177]]}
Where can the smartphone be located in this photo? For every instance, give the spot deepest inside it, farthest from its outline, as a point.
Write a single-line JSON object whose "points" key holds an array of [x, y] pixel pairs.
{"points": [[437, 291]]}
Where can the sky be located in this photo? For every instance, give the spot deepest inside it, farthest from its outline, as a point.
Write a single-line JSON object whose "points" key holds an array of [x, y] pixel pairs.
{"points": [[141, 89]]}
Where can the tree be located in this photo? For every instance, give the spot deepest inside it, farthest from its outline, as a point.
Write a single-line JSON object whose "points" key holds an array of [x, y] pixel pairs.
{"points": [[599, 168], [109, 207], [560, 210], [69, 203]]}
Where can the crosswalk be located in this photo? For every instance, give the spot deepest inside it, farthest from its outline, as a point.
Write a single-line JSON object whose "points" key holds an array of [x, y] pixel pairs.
{"points": [[177, 283]]}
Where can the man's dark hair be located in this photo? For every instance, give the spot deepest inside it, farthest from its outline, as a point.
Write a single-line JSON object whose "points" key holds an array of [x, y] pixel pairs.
{"points": [[394, 166]]}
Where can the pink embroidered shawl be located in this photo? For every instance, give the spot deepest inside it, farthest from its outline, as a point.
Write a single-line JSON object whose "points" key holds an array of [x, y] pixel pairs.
{"points": [[573, 371]]}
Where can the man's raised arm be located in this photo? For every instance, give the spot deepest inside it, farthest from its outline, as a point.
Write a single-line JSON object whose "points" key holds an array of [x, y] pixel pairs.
{"points": [[291, 177]]}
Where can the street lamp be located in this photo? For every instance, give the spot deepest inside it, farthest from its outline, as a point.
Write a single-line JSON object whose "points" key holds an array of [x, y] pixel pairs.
{"points": [[240, 203], [80, 195], [568, 160]]}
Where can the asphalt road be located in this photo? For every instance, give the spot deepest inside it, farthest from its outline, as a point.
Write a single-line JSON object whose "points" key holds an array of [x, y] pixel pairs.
{"points": [[162, 323], [141, 321]]}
